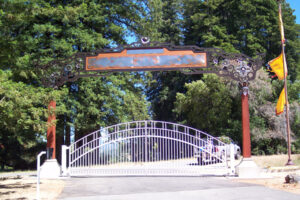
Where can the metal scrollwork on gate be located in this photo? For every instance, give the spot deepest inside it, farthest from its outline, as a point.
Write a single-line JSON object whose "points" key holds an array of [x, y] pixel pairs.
{"points": [[238, 67], [57, 72]]}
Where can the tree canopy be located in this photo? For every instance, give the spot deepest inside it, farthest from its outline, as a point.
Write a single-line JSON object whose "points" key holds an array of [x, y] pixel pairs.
{"points": [[249, 27], [43, 31]]}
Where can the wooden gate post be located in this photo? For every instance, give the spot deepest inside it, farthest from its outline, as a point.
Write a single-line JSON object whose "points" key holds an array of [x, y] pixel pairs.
{"points": [[246, 123], [51, 130], [247, 168], [51, 168]]}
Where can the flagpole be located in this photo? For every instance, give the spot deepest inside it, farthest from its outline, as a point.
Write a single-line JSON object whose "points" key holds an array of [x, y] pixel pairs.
{"points": [[289, 162]]}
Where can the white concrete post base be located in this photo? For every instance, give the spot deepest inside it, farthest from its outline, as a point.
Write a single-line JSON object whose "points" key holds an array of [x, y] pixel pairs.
{"points": [[50, 169], [247, 169]]}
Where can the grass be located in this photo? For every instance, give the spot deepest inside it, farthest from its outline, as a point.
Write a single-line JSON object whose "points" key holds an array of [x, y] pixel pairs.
{"points": [[275, 160]]}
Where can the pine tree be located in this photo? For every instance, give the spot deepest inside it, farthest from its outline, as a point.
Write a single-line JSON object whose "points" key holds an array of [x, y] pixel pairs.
{"points": [[42, 31]]}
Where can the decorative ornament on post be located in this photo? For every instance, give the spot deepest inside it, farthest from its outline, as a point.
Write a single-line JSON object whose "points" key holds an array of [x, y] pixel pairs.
{"points": [[241, 68], [245, 90], [145, 40]]}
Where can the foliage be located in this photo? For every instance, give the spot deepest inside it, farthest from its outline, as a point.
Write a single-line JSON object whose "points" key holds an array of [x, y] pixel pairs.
{"points": [[160, 20], [207, 105], [269, 146], [100, 102], [47, 30], [161, 91], [248, 27], [40, 30], [23, 120]]}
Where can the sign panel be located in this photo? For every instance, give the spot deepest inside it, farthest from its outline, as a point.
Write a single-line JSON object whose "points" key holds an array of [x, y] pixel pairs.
{"points": [[146, 59]]}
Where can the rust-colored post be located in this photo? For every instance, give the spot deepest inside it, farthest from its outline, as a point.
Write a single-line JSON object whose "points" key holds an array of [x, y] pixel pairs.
{"points": [[246, 123], [51, 135]]}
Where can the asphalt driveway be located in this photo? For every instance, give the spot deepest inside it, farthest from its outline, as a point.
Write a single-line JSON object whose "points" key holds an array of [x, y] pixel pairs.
{"points": [[173, 188]]}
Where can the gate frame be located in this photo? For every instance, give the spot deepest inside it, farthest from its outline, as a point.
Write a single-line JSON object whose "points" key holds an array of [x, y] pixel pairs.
{"points": [[238, 67], [66, 169]]}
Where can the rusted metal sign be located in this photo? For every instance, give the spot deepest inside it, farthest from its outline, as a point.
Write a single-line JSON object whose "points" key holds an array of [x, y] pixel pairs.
{"points": [[146, 59]]}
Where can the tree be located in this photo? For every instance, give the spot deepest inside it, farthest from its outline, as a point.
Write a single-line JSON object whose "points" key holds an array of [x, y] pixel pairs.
{"points": [[100, 102], [50, 30], [248, 27], [205, 24], [165, 19], [42, 31], [208, 106], [23, 120]]}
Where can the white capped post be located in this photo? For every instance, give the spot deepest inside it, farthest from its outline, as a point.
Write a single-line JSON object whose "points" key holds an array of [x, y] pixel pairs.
{"points": [[232, 170], [38, 175], [64, 149]]}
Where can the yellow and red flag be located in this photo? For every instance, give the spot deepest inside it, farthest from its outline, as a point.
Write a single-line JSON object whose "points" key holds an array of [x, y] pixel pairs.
{"points": [[281, 103], [277, 67]]}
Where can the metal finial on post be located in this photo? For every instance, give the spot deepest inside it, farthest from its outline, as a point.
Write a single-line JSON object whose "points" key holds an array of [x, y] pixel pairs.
{"points": [[145, 40]]}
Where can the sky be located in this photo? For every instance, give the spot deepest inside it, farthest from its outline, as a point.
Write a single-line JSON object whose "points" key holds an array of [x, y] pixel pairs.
{"points": [[295, 5]]}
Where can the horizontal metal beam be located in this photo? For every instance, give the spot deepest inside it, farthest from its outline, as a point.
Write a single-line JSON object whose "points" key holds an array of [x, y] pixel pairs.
{"points": [[150, 56]]}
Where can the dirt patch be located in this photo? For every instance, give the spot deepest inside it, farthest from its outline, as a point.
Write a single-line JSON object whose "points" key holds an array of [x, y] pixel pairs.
{"points": [[276, 182], [274, 166], [22, 188]]}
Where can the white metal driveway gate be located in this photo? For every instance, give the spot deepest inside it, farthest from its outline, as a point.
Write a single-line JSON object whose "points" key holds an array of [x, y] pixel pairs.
{"points": [[146, 148]]}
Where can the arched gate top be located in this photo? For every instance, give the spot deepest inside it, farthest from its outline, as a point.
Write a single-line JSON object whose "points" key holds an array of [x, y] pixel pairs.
{"points": [[148, 125]]}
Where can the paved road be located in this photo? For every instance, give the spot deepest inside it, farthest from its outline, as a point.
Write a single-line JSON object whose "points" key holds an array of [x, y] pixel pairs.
{"points": [[167, 188]]}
